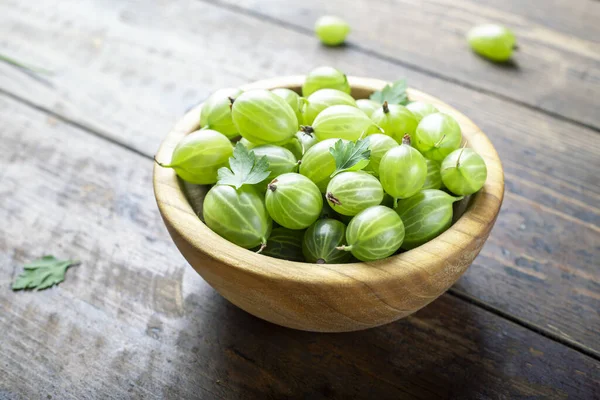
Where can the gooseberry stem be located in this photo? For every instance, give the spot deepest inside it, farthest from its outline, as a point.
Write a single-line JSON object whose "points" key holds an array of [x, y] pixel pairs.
{"points": [[406, 139], [307, 130], [440, 141], [329, 196], [386, 108], [161, 164], [396, 202], [263, 246], [271, 186], [344, 248]]}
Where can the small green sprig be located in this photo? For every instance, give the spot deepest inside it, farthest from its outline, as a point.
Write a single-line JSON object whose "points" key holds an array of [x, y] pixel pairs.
{"points": [[393, 94], [43, 273], [350, 156], [245, 168]]}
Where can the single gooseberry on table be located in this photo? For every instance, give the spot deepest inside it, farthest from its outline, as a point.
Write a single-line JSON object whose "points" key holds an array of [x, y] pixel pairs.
{"points": [[332, 30]]}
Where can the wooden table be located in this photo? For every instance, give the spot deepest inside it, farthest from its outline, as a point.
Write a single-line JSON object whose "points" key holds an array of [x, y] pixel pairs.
{"points": [[135, 321]]}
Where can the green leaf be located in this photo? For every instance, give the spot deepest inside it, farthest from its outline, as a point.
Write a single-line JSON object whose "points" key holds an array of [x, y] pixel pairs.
{"points": [[246, 169], [43, 273], [350, 156], [393, 94]]}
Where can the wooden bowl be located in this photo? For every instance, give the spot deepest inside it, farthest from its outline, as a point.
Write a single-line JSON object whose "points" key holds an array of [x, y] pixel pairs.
{"points": [[331, 297]]}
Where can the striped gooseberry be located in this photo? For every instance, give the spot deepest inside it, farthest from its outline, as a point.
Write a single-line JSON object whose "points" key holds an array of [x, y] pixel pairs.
{"points": [[374, 233], [425, 215], [368, 106], [463, 172], [238, 215], [402, 170], [437, 136], [341, 122], [379, 144], [348, 193], [263, 117], [321, 241], [199, 155], [216, 112], [323, 98], [318, 164], [395, 120], [293, 201], [325, 77], [420, 109]]}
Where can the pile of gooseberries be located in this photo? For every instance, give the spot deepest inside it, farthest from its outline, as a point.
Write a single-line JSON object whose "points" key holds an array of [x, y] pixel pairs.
{"points": [[321, 177]]}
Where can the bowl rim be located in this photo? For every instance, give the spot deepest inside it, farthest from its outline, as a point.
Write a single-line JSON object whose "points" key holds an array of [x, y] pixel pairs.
{"points": [[466, 233]]}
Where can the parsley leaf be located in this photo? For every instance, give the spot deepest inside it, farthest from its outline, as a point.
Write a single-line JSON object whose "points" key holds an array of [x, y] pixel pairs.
{"points": [[350, 156], [246, 169], [393, 94], [43, 273]]}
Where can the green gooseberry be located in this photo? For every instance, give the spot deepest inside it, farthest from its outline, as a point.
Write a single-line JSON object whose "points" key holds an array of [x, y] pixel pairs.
{"points": [[321, 241], [395, 120], [425, 215], [323, 98], [285, 244], [463, 172], [341, 122], [420, 110], [348, 193], [379, 144], [437, 136], [325, 77], [368, 106], [280, 160], [199, 155], [263, 117], [332, 31], [216, 112], [293, 99], [374, 233], [318, 164], [293, 201], [402, 170], [492, 41], [238, 215], [434, 177]]}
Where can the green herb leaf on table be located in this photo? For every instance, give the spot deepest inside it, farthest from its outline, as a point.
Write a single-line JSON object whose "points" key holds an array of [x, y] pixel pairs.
{"points": [[246, 169], [393, 94], [43, 273], [350, 156]]}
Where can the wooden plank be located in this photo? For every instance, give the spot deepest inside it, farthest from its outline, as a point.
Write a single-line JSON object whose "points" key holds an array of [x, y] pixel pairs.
{"points": [[133, 321], [147, 70], [555, 71]]}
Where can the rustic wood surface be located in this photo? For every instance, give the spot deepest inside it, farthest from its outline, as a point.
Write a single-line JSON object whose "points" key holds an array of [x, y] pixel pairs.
{"points": [[134, 320], [145, 66], [555, 70]]}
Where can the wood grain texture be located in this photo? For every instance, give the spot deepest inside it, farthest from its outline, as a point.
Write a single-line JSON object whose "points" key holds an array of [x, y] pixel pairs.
{"points": [[332, 297], [553, 70], [133, 321], [146, 67]]}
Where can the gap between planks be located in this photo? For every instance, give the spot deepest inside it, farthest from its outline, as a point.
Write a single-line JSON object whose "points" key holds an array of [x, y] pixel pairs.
{"points": [[395, 61], [574, 345]]}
